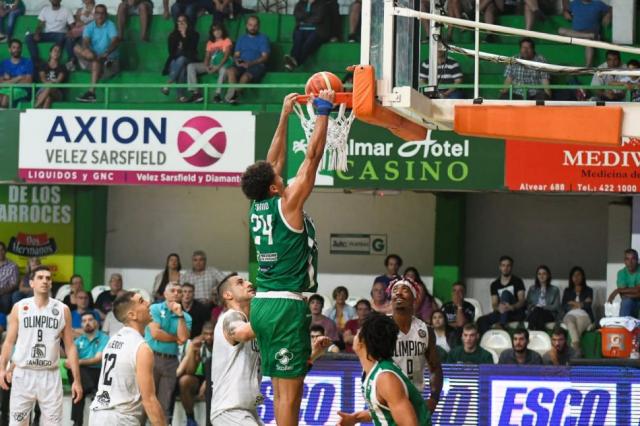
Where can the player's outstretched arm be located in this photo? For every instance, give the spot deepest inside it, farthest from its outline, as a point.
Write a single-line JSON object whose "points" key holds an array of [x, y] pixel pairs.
{"points": [[236, 328], [435, 369], [144, 377], [297, 193], [350, 419], [277, 151], [72, 355], [7, 346], [393, 394]]}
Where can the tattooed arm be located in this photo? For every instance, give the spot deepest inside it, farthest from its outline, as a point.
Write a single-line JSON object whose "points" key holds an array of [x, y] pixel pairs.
{"points": [[236, 328]]}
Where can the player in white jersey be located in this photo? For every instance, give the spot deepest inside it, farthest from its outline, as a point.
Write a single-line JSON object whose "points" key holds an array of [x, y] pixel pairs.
{"points": [[126, 388], [416, 344], [35, 327]]}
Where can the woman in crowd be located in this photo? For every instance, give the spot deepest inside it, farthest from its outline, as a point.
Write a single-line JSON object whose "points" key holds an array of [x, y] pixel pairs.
{"points": [[24, 289], [183, 49], [425, 303], [171, 273], [217, 59], [340, 312], [543, 300], [379, 301], [51, 71], [445, 336], [576, 303], [76, 283]]}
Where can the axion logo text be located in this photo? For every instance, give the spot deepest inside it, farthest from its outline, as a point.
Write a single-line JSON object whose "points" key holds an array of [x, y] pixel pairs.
{"points": [[202, 141]]}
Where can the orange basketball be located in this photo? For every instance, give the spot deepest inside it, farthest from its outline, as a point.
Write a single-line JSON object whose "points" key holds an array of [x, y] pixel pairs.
{"points": [[322, 81]]}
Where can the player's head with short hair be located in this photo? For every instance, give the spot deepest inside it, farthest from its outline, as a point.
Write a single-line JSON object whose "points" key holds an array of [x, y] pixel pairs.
{"points": [[376, 339], [130, 307], [260, 181], [404, 292], [40, 280], [234, 290]]}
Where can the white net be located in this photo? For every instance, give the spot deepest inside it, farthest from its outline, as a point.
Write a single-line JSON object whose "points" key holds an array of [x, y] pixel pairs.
{"points": [[335, 153]]}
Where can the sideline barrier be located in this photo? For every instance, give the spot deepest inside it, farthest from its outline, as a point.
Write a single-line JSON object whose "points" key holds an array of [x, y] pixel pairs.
{"points": [[486, 395]]}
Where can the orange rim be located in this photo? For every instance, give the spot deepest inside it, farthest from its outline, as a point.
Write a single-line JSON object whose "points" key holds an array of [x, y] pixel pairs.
{"points": [[341, 98]]}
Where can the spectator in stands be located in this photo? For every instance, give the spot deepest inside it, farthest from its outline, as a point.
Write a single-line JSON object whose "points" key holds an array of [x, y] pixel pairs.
{"points": [[316, 331], [199, 312], [313, 28], [111, 325], [250, 58], [507, 298], [379, 300], [560, 353], [142, 8], [633, 82], [425, 302], [610, 95], [104, 302], [24, 289], [84, 16], [90, 344], [316, 303], [520, 75], [469, 352], [489, 10], [217, 59], [587, 17], [99, 50], [392, 263], [82, 298], [576, 302], [458, 311], [170, 327], [196, 358], [204, 278], [76, 284], [51, 71], [10, 11], [191, 9], [544, 303], [9, 276], [449, 72], [172, 273], [520, 353], [628, 283], [15, 70], [363, 308], [53, 23], [355, 13], [340, 312], [445, 336], [183, 49]]}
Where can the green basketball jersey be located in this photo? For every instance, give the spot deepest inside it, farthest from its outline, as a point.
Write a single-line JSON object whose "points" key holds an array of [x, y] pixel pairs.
{"points": [[380, 414], [287, 257]]}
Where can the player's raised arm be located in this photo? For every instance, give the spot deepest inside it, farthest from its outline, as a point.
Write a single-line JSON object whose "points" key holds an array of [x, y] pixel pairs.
{"points": [[236, 328], [72, 355], [297, 193], [435, 371], [144, 377], [392, 393], [7, 347], [278, 149]]}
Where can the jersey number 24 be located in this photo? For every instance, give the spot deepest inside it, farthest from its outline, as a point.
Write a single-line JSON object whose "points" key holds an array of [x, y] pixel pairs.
{"points": [[262, 224]]}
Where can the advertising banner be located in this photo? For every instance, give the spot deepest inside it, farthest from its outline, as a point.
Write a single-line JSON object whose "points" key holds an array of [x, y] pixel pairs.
{"points": [[38, 221], [380, 160], [544, 167], [136, 147]]}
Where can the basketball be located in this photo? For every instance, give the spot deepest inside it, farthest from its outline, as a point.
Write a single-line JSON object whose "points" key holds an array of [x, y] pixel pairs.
{"points": [[321, 81]]}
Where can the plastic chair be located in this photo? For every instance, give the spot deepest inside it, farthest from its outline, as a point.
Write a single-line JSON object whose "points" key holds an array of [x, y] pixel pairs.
{"points": [[496, 340], [97, 290], [63, 291], [144, 293], [476, 304], [539, 341], [551, 325]]}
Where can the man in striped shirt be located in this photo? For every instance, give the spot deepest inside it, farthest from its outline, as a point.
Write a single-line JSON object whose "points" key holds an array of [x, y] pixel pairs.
{"points": [[449, 72]]}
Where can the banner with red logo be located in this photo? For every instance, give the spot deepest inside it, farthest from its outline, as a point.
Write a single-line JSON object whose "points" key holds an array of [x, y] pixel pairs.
{"points": [[38, 221], [136, 147], [544, 167]]}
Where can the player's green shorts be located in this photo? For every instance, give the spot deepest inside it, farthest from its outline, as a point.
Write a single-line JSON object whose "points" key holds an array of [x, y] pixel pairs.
{"points": [[282, 330]]}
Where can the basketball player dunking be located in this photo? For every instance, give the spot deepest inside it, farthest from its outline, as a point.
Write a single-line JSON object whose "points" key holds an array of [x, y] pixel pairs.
{"points": [[35, 327], [415, 346], [126, 388], [284, 238]]}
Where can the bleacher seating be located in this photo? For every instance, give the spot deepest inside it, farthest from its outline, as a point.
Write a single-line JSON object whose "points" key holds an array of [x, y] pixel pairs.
{"points": [[142, 62], [496, 340], [539, 341]]}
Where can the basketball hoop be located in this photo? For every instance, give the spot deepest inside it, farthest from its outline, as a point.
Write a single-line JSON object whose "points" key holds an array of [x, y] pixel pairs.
{"points": [[335, 154]]}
